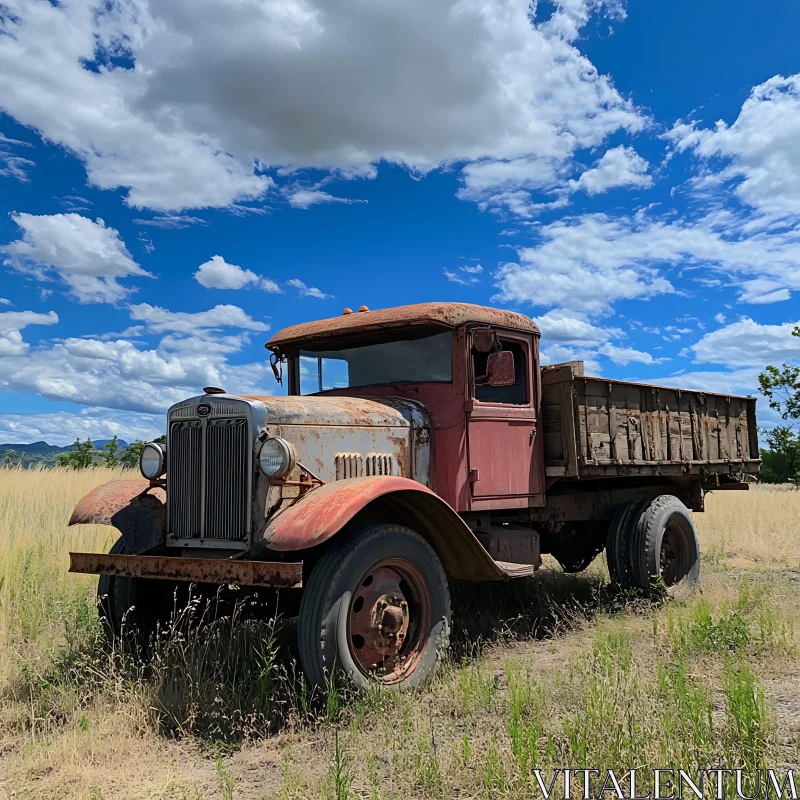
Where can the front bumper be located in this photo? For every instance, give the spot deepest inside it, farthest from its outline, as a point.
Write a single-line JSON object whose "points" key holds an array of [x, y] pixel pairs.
{"points": [[197, 570]]}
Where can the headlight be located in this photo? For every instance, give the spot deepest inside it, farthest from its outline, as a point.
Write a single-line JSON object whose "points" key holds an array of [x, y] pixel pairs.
{"points": [[276, 458], [153, 461]]}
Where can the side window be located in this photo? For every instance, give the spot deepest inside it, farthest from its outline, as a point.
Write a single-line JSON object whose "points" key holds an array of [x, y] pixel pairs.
{"points": [[517, 393]]}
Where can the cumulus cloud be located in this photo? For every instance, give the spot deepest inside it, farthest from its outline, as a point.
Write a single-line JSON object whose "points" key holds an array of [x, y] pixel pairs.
{"points": [[559, 326], [11, 325], [626, 355], [748, 343], [116, 373], [160, 320], [622, 166], [307, 291], [589, 263], [63, 427], [216, 273], [184, 103], [759, 149], [86, 255]]}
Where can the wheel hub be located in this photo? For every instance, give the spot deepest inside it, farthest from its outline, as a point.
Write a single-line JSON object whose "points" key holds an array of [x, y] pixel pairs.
{"points": [[388, 614]]}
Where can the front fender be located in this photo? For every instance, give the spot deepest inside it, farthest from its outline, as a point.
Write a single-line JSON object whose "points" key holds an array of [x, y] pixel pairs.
{"points": [[324, 511], [134, 507]]}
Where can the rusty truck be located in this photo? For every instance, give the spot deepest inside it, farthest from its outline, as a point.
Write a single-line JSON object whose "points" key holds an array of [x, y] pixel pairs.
{"points": [[415, 446]]}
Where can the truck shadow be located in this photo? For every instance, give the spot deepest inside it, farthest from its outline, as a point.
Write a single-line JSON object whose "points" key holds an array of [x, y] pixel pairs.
{"points": [[237, 675], [540, 607]]}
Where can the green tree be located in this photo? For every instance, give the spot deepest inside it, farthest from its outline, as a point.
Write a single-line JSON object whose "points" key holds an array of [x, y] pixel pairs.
{"points": [[781, 386], [80, 457], [130, 457], [781, 461], [111, 448], [12, 457]]}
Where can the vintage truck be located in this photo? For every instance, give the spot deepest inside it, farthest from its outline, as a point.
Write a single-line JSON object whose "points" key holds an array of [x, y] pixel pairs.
{"points": [[417, 445]]}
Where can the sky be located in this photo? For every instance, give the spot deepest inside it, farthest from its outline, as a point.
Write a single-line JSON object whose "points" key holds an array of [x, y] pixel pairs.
{"points": [[179, 179]]}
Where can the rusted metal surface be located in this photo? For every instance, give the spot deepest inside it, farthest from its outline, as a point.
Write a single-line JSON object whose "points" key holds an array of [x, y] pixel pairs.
{"points": [[323, 512], [196, 570], [448, 315], [389, 620], [136, 508]]}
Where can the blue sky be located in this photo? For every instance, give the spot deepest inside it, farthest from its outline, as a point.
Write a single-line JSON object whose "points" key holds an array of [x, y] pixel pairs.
{"points": [[178, 179]]}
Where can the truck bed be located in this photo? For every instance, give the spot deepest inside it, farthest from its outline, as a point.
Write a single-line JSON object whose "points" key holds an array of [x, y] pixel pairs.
{"points": [[595, 427]]}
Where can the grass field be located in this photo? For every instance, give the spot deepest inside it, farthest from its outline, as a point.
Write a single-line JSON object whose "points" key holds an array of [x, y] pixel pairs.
{"points": [[552, 672]]}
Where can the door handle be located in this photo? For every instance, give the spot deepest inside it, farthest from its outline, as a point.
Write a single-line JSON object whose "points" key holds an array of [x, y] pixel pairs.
{"points": [[532, 436]]}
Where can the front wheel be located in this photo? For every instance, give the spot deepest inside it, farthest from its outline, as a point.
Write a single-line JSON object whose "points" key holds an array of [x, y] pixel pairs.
{"points": [[376, 608]]}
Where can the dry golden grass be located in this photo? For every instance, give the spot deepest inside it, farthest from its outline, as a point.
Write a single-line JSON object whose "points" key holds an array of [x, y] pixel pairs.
{"points": [[82, 728], [761, 525]]}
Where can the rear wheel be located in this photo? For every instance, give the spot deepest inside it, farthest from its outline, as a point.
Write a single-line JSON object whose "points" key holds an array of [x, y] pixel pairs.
{"points": [[376, 608], [665, 547]]}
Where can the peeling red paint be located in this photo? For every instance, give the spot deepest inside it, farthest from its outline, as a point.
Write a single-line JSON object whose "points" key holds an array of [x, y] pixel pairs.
{"points": [[101, 504]]}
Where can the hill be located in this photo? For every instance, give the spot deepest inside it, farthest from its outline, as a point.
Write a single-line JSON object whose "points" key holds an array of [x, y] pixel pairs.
{"points": [[35, 453]]}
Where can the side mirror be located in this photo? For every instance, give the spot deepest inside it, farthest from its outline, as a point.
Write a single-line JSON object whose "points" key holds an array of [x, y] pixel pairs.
{"points": [[500, 368]]}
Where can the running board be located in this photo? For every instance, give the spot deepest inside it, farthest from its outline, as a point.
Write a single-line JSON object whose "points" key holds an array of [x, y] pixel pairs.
{"points": [[197, 570], [511, 570]]}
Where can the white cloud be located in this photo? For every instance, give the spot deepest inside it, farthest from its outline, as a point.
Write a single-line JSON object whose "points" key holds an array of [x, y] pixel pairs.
{"points": [[763, 291], [305, 198], [558, 326], [720, 318], [216, 273], [5, 302], [171, 222], [200, 95], [466, 276], [588, 263], [86, 255], [307, 291], [160, 320], [63, 427], [13, 165], [621, 166], [18, 320], [760, 147], [12, 322], [748, 343], [625, 355]]}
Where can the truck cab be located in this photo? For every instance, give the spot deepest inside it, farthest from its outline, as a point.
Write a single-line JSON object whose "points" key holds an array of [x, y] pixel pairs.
{"points": [[415, 445]]}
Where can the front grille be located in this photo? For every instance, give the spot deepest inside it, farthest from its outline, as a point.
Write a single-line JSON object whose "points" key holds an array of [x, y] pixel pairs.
{"points": [[207, 480]]}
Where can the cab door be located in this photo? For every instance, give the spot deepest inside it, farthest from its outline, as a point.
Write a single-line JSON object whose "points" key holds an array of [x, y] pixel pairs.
{"points": [[504, 453]]}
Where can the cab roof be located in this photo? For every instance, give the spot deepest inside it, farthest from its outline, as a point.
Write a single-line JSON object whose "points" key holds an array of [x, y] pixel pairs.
{"points": [[447, 315]]}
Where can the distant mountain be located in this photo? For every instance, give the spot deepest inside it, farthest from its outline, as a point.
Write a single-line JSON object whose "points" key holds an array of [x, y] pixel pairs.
{"points": [[45, 449]]}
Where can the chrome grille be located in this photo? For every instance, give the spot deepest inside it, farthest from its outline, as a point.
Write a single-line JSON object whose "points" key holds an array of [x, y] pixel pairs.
{"points": [[185, 454], [208, 484], [226, 479]]}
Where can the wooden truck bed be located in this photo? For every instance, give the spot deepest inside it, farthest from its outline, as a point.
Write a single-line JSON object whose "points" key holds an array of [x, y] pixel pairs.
{"points": [[595, 427]]}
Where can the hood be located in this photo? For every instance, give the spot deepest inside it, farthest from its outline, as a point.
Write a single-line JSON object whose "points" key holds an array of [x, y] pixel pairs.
{"points": [[352, 412]]}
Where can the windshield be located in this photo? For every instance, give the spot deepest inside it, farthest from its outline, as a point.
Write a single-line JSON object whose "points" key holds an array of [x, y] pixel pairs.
{"points": [[422, 359]]}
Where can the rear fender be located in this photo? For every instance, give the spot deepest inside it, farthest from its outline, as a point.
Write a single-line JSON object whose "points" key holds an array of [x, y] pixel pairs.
{"points": [[134, 507], [326, 510]]}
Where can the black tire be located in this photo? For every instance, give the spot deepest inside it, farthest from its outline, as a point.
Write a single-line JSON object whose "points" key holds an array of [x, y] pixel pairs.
{"points": [[618, 545], [129, 607], [664, 547], [330, 602]]}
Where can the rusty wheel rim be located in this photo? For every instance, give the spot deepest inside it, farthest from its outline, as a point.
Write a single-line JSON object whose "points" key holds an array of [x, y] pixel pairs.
{"points": [[674, 554], [389, 620]]}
